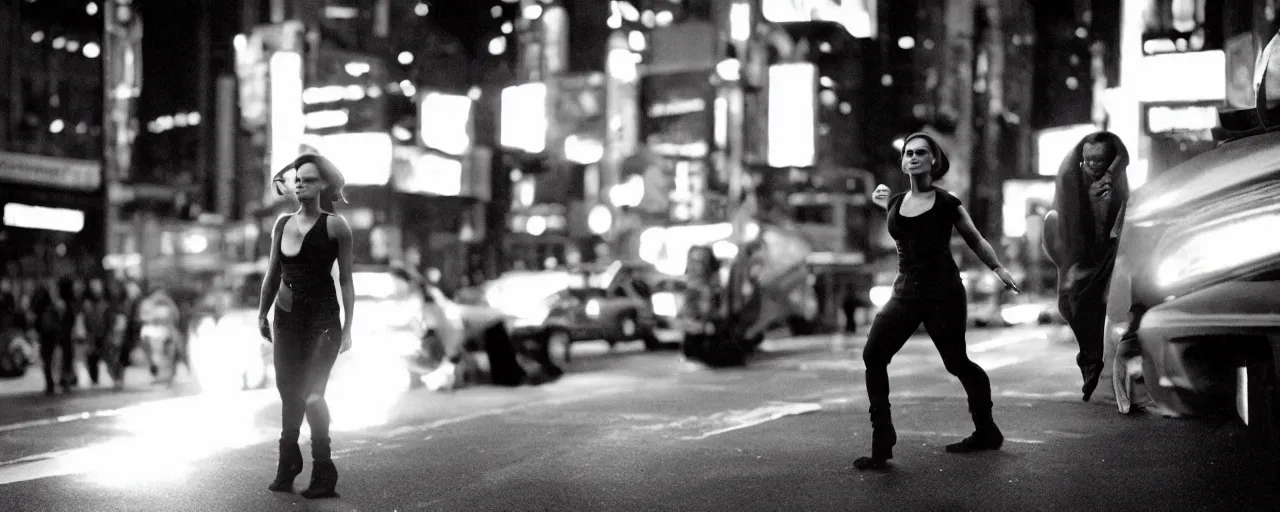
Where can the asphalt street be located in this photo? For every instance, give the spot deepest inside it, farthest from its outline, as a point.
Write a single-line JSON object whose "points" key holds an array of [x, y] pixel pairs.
{"points": [[629, 430]]}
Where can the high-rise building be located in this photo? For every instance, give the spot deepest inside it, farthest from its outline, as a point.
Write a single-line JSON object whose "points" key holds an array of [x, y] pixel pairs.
{"points": [[51, 125]]}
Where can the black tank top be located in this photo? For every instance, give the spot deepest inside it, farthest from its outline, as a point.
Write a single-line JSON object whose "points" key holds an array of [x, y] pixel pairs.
{"points": [[308, 272], [926, 268]]}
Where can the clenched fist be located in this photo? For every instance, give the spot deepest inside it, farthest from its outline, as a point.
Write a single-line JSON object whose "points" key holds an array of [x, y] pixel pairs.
{"points": [[880, 196]]}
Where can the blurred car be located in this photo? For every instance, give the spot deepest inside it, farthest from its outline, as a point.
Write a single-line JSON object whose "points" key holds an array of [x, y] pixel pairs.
{"points": [[1196, 287], [589, 313]]}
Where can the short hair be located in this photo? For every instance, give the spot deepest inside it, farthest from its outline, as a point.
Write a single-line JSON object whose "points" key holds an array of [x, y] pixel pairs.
{"points": [[941, 164]]}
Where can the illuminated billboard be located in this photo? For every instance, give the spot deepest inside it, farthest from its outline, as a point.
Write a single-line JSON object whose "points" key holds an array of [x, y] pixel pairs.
{"points": [[523, 123], [363, 158], [792, 115], [444, 122], [856, 16]]}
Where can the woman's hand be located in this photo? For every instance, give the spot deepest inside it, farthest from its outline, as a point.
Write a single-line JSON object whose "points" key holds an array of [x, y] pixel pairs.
{"points": [[264, 328], [1009, 284], [880, 196], [346, 341]]}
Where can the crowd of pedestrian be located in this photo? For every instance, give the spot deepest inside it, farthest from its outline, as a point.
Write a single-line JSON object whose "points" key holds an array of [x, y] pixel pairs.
{"points": [[66, 323]]}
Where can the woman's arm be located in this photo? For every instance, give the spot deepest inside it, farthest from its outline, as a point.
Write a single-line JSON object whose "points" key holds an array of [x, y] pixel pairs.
{"points": [[342, 230], [271, 283], [979, 245]]}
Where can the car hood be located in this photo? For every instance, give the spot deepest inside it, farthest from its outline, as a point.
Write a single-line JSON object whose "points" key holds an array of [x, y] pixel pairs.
{"points": [[1248, 159]]}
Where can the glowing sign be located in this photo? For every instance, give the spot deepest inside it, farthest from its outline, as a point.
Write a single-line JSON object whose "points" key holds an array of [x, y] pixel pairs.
{"points": [[1167, 119], [287, 119], [445, 122], [20, 215], [524, 117], [791, 114], [363, 158], [856, 16]]}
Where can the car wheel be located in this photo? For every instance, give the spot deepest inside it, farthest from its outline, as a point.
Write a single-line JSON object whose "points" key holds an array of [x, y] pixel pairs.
{"points": [[651, 341], [628, 327], [559, 341]]}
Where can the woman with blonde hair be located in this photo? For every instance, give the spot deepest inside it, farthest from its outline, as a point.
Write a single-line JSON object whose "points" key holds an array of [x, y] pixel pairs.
{"points": [[308, 334]]}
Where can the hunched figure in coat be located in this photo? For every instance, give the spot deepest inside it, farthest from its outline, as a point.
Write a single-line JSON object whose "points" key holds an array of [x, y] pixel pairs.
{"points": [[1081, 237]]}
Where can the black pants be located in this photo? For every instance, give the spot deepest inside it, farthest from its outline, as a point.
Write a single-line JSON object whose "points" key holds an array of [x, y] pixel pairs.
{"points": [[1086, 314], [50, 343], [945, 319], [306, 342]]}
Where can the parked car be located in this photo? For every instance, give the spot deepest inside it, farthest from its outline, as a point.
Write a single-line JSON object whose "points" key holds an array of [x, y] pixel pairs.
{"points": [[588, 313], [1195, 297]]}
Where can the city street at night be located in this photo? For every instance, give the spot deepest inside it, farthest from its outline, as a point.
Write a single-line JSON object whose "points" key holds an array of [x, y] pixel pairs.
{"points": [[630, 430]]}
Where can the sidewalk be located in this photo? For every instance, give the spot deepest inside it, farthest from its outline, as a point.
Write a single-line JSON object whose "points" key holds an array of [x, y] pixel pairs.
{"points": [[23, 399]]}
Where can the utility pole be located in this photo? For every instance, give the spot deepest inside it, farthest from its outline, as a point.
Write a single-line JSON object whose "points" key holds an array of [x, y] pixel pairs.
{"points": [[989, 179], [956, 93]]}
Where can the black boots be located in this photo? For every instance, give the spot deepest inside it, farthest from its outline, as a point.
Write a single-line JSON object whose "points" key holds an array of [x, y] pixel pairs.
{"points": [[986, 437], [290, 464], [883, 437], [1091, 373], [324, 475]]}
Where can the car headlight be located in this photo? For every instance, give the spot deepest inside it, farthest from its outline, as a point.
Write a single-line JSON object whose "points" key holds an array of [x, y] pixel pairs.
{"points": [[1234, 242], [664, 304]]}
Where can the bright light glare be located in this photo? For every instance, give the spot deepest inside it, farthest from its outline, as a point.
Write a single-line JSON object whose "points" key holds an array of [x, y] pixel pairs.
{"points": [[791, 140], [524, 117], [1016, 195], [729, 70], [593, 308], [667, 248], [664, 304], [1231, 244], [357, 69], [583, 150], [629, 193], [600, 219], [20, 215], [363, 158], [421, 9], [906, 42], [536, 225], [91, 50], [740, 21], [725, 249], [498, 45], [445, 122], [1021, 314], [378, 285], [532, 11], [622, 65], [1054, 144], [434, 174], [405, 58], [287, 118], [880, 295]]}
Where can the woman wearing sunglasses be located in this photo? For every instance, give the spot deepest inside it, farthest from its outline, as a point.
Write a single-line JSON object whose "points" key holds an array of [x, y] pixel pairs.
{"points": [[308, 334]]}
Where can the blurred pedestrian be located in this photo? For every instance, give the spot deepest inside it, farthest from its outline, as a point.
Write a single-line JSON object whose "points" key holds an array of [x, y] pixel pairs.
{"points": [[1081, 237], [94, 313], [308, 334], [51, 315], [927, 290]]}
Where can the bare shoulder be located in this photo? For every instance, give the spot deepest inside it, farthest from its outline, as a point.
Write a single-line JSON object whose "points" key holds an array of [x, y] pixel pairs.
{"points": [[337, 225]]}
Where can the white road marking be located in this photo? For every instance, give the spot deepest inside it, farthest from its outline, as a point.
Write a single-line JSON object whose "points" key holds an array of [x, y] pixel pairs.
{"points": [[736, 420]]}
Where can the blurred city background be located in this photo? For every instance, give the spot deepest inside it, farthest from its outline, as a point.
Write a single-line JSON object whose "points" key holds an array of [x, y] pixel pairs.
{"points": [[481, 136], [525, 175]]}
